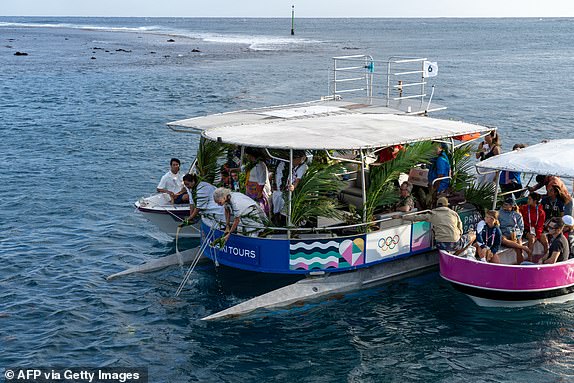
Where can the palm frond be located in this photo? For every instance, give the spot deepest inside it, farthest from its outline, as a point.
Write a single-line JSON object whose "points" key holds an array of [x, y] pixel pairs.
{"points": [[209, 154], [462, 167], [480, 195], [316, 193], [382, 190]]}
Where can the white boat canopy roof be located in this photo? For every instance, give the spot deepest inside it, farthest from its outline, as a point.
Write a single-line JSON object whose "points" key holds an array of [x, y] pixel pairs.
{"points": [[553, 158], [340, 131]]}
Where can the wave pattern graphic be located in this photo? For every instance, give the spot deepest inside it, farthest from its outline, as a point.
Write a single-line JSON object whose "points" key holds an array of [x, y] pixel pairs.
{"points": [[321, 260], [314, 245], [316, 266]]}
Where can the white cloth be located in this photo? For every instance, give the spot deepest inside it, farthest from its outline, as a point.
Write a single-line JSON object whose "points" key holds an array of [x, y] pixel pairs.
{"points": [[277, 198], [260, 174], [248, 211], [171, 182], [205, 202]]}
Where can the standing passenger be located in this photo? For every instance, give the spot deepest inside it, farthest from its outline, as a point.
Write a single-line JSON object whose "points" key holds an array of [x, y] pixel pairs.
{"points": [[257, 184], [439, 167]]}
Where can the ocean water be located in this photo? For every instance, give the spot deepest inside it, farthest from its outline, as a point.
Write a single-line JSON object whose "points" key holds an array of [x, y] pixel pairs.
{"points": [[82, 138]]}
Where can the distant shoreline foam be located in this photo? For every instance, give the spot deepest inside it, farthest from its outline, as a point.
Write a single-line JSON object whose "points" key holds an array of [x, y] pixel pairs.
{"points": [[254, 42]]}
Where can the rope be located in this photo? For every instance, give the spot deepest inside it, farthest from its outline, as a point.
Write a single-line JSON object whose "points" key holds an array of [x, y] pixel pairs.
{"points": [[194, 262]]}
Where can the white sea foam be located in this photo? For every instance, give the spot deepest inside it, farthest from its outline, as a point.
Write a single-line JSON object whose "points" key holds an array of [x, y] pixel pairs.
{"points": [[254, 42]]}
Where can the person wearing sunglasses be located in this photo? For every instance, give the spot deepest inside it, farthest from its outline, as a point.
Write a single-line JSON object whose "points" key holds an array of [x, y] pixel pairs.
{"points": [[558, 250]]}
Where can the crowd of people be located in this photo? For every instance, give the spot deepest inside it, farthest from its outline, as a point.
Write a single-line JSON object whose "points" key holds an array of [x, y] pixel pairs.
{"points": [[241, 212], [547, 220]]}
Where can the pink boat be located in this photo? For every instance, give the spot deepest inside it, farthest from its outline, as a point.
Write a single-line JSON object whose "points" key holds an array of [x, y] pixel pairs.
{"points": [[502, 285], [506, 284]]}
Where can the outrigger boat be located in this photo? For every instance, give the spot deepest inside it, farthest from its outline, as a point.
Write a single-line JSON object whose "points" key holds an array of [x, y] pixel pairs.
{"points": [[168, 217], [505, 284], [333, 255]]}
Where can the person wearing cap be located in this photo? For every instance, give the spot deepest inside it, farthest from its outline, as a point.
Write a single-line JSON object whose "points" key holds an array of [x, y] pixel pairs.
{"points": [[439, 168], [512, 228], [447, 227], [558, 250]]}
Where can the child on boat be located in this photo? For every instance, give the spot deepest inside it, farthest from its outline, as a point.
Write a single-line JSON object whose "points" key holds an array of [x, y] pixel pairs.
{"points": [[489, 239]]}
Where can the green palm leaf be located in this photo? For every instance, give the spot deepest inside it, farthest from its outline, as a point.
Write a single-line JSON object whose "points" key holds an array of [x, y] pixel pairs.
{"points": [[316, 193], [209, 155], [381, 190]]}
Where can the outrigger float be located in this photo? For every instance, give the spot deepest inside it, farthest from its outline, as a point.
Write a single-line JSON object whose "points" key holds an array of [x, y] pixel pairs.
{"points": [[333, 255], [505, 284]]}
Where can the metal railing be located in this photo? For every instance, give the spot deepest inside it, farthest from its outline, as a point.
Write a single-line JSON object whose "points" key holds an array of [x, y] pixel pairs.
{"points": [[402, 78]]}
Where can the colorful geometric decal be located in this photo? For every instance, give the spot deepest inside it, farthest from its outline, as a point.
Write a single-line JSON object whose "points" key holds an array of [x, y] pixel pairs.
{"points": [[422, 236], [388, 243], [353, 251], [326, 254]]}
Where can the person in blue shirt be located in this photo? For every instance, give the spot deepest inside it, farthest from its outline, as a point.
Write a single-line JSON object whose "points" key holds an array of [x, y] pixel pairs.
{"points": [[510, 181], [439, 167], [489, 239]]}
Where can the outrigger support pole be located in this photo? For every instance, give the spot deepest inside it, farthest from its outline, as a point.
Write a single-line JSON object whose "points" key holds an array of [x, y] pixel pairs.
{"points": [[363, 186], [496, 182]]}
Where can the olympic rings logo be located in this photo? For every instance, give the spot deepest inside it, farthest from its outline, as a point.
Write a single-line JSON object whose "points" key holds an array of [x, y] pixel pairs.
{"points": [[388, 243]]}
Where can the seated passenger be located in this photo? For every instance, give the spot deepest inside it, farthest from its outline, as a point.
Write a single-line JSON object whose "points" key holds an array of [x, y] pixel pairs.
{"points": [[447, 227], [247, 214], [534, 217], [172, 183], [512, 228], [201, 193], [559, 249], [489, 239], [406, 202]]}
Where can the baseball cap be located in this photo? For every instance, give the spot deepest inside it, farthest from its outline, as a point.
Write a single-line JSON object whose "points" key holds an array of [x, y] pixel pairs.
{"points": [[568, 220], [442, 201]]}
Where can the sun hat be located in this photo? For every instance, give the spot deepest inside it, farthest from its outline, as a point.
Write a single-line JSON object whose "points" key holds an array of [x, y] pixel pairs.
{"points": [[442, 201]]}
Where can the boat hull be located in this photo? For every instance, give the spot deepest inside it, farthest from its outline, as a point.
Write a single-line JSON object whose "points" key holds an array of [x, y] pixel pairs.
{"points": [[166, 216], [318, 254], [500, 285]]}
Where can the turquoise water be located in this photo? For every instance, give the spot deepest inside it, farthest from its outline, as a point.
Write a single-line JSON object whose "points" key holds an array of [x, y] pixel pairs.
{"points": [[83, 138]]}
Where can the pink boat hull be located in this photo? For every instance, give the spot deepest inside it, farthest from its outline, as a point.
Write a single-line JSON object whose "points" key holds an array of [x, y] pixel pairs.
{"points": [[512, 283]]}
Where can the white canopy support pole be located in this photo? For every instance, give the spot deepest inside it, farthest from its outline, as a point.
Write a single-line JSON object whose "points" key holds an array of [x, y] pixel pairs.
{"points": [[290, 192], [363, 186], [496, 182]]}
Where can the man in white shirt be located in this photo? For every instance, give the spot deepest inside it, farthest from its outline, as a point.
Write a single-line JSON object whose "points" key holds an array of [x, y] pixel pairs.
{"points": [[281, 183], [172, 183]]}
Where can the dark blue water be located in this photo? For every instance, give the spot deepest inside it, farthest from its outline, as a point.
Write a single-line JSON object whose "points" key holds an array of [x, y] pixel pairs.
{"points": [[83, 138]]}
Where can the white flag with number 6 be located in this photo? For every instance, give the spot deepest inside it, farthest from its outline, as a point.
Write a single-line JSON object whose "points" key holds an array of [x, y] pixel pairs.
{"points": [[430, 69]]}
